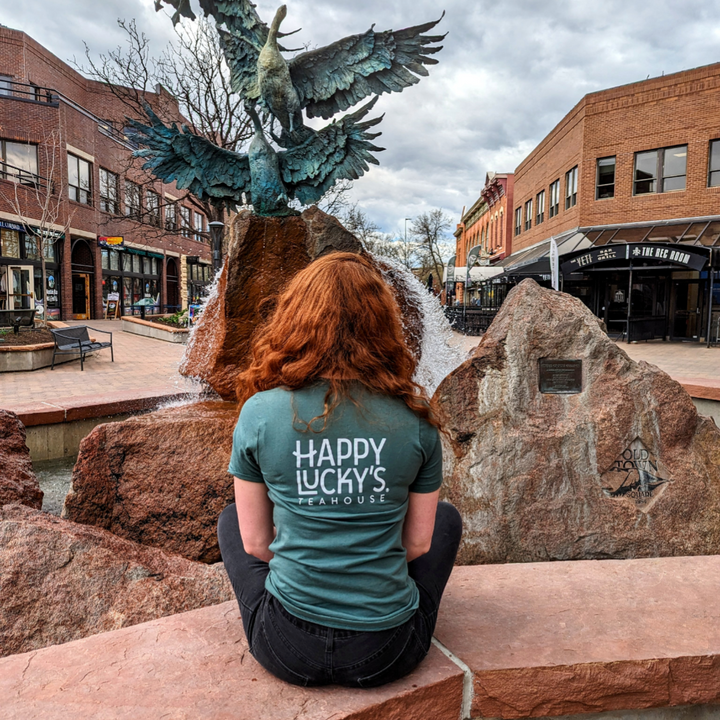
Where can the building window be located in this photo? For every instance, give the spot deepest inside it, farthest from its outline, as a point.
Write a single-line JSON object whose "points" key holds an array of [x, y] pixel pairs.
{"points": [[185, 226], [667, 164], [132, 200], [6, 83], [19, 162], [108, 191], [528, 214], [540, 210], [518, 221], [674, 168], [554, 198], [79, 185], [199, 226], [571, 183], [605, 180], [152, 205], [714, 164], [171, 217]]}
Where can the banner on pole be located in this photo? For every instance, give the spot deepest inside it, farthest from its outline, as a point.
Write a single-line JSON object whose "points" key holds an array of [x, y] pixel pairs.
{"points": [[554, 264]]}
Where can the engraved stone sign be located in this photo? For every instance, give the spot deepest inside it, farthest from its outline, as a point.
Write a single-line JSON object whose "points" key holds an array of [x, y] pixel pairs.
{"points": [[560, 377], [637, 475]]}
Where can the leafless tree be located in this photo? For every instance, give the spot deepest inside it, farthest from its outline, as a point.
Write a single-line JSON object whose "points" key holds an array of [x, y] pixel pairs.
{"points": [[191, 76], [430, 231], [38, 203]]}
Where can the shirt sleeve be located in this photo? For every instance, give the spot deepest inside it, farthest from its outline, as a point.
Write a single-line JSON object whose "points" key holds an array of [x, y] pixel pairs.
{"points": [[429, 477], [244, 459]]}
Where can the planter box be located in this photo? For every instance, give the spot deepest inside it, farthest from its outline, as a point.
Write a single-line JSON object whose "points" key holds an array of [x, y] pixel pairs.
{"points": [[30, 357], [21, 358], [154, 330]]}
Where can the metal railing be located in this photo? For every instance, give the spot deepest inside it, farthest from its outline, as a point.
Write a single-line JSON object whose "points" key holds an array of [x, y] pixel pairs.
{"points": [[28, 92], [24, 177], [470, 320], [48, 96]]}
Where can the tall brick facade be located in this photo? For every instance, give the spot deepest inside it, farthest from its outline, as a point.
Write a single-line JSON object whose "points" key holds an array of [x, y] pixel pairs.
{"points": [[47, 105], [673, 110], [487, 224], [627, 185]]}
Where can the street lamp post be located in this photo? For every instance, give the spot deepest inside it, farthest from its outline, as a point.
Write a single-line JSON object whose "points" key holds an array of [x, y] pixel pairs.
{"points": [[216, 233]]}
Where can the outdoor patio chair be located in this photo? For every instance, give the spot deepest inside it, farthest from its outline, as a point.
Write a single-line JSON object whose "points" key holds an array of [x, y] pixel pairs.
{"points": [[69, 340]]}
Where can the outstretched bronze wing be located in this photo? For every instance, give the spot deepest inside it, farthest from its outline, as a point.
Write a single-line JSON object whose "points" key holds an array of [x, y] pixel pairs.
{"points": [[239, 16], [340, 151], [241, 38], [336, 77], [192, 162]]}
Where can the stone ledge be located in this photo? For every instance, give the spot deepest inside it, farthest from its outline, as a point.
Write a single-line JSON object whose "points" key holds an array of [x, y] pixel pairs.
{"points": [[196, 666], [118, 402], [590, 639], [549, 639]]}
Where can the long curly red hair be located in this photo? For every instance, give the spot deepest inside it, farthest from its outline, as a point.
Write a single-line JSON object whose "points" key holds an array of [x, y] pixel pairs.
{"points": [[337, 320]]}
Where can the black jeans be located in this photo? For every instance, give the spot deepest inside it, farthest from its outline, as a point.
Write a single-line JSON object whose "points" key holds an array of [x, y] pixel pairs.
{"points": [[304, 653]]}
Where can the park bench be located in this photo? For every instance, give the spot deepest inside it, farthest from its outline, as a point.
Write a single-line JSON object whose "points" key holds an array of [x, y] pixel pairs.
{"points": [[16, 318], [70, 340]]}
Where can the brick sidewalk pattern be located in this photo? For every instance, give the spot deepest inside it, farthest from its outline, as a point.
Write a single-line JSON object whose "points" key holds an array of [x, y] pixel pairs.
{"points": [[143, 368]]}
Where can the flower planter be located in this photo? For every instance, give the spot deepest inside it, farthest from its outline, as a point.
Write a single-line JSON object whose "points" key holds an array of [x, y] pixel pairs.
{"points": [[21, 358], [156, 330]]}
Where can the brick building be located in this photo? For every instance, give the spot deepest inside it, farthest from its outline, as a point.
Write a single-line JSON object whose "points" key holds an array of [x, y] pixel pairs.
{"points": [[60, 135], [628, 187], [487, 225]]}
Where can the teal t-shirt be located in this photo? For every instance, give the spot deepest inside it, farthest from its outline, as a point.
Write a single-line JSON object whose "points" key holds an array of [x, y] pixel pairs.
{"points": [[340, 500]]}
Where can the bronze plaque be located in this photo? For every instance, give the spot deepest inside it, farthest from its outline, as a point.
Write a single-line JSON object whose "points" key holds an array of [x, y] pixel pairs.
{"points": [[560, 377]]}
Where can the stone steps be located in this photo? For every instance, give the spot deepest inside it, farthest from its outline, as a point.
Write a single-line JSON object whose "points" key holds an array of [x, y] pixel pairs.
{"points": [[593, 639]]}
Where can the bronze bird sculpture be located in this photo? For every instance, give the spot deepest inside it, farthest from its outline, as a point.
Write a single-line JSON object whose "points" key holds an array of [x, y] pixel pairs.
{"points": [[322, 82]]}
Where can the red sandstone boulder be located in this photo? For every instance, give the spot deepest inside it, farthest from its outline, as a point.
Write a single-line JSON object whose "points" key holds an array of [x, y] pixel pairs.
{"points": [[159, 479], [264, 253], [623, 469], [18, 483], [60, 581]]}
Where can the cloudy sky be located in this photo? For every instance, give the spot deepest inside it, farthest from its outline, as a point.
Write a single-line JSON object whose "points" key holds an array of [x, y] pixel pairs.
{"points": [[509, 71]]}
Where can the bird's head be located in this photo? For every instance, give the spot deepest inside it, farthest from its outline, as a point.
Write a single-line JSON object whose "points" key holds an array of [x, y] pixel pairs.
{"points": [[280, 15]]}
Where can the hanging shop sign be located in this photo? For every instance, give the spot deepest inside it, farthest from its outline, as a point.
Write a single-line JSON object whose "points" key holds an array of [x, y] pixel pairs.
{"points": [[116, 241], [636, 251]]}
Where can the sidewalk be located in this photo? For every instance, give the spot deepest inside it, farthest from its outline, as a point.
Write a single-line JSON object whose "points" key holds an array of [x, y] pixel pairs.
{"points": [[144, 373]]}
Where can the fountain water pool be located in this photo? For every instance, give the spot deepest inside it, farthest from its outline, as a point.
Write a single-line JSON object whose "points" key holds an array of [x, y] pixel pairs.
{"points": [[54, 477]]}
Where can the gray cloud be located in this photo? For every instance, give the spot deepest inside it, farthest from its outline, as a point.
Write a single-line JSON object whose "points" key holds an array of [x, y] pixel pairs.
{"points": [[508, 73]]}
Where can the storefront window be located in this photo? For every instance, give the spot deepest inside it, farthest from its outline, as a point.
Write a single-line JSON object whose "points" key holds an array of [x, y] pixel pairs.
{"points": [[126, 262], [137, 290], [104, 259], [49, 250], [10, 243], [127, 295], [136, 266], [114, 260], [31, 248]]}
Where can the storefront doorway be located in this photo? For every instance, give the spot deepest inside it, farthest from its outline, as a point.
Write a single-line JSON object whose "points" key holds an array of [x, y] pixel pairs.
{"points": [[83, 272], [21, 287], [81, 296], [687, 310]]}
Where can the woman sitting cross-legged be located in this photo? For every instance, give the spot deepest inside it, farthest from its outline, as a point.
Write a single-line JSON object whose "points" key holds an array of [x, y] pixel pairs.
{"points": [[336, 546]]}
